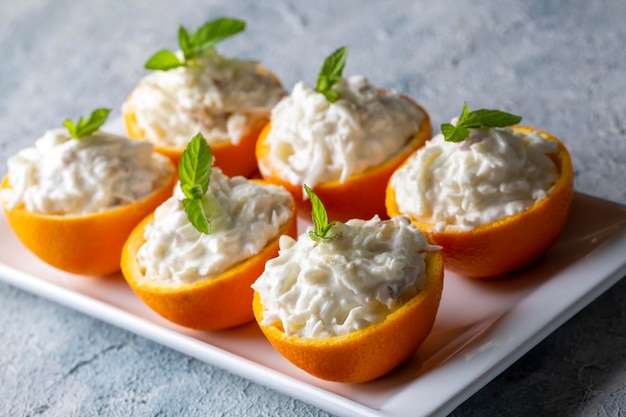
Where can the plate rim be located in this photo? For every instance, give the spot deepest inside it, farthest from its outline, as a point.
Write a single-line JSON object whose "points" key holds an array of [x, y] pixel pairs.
{"points": [[611, 273]]}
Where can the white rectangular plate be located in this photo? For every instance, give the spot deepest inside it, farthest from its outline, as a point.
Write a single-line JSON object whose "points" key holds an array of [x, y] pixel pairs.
{"points": [[482, 327]]}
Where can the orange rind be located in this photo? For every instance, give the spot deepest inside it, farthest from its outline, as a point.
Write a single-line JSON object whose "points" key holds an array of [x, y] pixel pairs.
{"points": [[361, 195], [232, 159], [207, 304], [506, 244], [371, 352], [88, 244]]}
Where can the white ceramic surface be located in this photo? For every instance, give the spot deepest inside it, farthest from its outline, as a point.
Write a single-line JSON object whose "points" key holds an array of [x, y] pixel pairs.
{"points": [[482, 327]]}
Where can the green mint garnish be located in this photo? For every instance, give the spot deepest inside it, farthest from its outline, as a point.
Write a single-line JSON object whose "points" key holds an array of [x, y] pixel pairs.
{"points": [[321, 227], [195, 44], [194, 173], [196, 214], [85, 127], [330, 74], [164, 60], [476, 119]]}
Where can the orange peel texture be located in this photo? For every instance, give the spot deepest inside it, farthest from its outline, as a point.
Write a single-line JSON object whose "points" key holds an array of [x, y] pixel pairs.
{"points": [[208, 304], [511, 242], [368, 353], [361, 195], [86, 244]]}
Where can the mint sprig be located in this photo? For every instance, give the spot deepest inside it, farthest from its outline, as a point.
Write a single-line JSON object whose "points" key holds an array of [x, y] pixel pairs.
{"points": [[476, 119], [321, 227], [164, 60], [195, 44], [194, 173], [330, 74], [85, 127]]}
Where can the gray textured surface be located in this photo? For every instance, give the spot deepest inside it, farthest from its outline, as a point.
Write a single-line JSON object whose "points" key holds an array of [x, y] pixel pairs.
{"points": [[560, 64]]}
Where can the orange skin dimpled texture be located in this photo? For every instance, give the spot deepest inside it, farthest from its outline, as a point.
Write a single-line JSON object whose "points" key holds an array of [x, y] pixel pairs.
{"points": [[511, 242]]}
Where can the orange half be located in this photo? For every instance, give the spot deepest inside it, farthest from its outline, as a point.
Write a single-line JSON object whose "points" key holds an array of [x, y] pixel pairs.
{"points": [[360, 196], [208, 304], [86, 244], [232, 159], [368, 353], [511, 242]]}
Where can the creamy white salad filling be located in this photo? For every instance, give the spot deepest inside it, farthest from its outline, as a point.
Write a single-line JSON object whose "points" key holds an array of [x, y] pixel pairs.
{"points": [[337, 287], [244, 216], [218, 96], [313, 140], [492, 174], [65, 176]]}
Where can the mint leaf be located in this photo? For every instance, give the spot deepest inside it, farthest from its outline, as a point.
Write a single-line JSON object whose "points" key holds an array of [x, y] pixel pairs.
{"points": [[194, 45], [482, 118], [454, 133], [209, 34], [330, 74], [194, 174], [71, 128], [490, 118], [85, 127], [194, 167], [164, 60], [185, 43], [321, 227], [196, 215], [465, 111]]}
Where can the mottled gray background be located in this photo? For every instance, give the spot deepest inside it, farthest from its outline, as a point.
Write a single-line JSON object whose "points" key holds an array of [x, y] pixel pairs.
{"points": [[560, 64]]}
